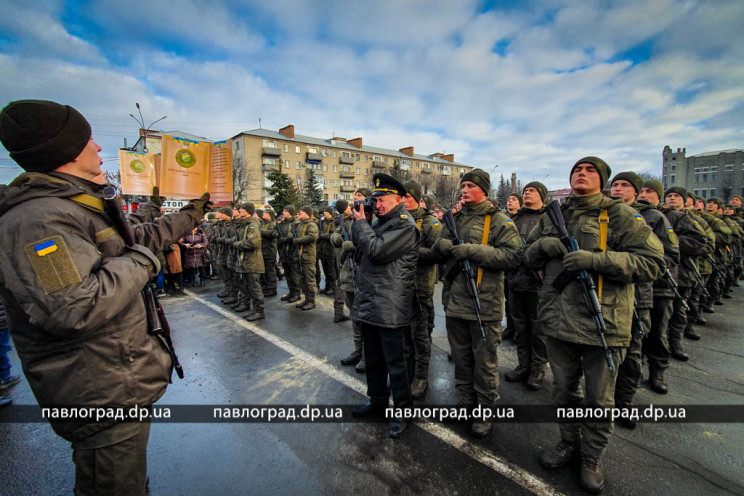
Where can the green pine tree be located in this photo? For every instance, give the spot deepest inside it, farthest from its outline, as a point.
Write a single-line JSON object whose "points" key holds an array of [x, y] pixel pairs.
{"points": [[282, 190], [313, 194]]}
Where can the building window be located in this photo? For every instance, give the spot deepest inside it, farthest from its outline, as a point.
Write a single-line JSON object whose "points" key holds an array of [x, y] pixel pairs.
{"points": [[335, 168], [298, 165], [334, 153], [357, 170], [697, 178], [714, 168], [696, 192], [386, 160], [674, 178], [345, 168], [697, 169], [712, 191], [269, 144], [335, 182], [713, 177], [286, 148], [286, 163], [357, 157], [325, 168], [705, 178], [674, 167], [345, 154], [237, 145], [729, 167], [325, 153], [312, 149], [347, 183], [325, 183], [297, 149], [335, 197], [299, 181], [704, 193]]}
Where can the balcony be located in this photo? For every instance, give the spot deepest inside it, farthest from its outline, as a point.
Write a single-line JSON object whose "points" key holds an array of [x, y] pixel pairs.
{"points": [[405, 167], [271, 151], [348, 189], [347, 174], [346, 160], [314, 158], [427, 170], [446, 171], [378, 166], [271, 167]]}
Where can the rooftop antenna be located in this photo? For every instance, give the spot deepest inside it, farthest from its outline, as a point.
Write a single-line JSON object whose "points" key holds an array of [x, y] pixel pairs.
{"points": [[259, 123]]}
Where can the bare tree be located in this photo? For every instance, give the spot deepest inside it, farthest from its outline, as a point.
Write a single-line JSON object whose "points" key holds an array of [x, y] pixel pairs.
{"points": [[245, 177]]}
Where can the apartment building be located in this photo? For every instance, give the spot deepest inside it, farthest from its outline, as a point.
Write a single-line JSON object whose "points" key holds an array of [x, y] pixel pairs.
{"points": [[718, 173], [340, 165]]}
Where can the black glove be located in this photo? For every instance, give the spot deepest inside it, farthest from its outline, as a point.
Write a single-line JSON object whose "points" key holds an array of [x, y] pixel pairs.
{"points": [[295, 241], [199, 206]]}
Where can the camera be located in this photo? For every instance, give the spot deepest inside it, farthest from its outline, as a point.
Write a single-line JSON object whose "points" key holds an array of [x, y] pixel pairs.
{"points": [[368, 204]]}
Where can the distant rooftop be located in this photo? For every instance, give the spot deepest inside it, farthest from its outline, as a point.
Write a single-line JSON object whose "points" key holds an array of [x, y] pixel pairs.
{"points": [[712, 154], [343, 145]]}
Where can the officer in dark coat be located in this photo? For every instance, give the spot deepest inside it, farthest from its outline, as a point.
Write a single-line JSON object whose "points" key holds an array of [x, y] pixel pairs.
{"points": [[387, 253]]}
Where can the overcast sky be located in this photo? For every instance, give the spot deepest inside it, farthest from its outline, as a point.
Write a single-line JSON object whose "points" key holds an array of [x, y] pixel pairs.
{"points": [[528, 86]]}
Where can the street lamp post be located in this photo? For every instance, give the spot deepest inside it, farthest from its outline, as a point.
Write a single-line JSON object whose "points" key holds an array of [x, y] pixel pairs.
{"points": [[145, 130]]}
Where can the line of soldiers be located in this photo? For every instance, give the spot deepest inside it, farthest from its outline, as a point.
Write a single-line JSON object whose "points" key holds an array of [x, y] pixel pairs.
{"points": [[656, 268]]}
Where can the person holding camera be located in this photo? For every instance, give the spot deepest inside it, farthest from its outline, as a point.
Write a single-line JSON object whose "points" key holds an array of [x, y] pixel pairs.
{"points": [[386, 253]]}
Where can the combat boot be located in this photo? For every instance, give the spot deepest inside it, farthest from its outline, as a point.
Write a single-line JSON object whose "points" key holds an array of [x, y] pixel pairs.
{"points": [[230, 300], [309, 305], [481, 428], [559, 455], [657, 383], [294, 298], [242, 307], [340, 317], [592, 476], [352, 359], [418, 388], [223, 293], [624, 419], [519, 374], [701, 320], [536, 380], [361, 367], [286, 297], [300, 304], [679, 353], [254, 316], [691, 334]]}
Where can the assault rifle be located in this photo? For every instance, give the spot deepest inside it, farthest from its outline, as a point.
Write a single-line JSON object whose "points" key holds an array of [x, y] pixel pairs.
{"points": [[449, 221], [637, 318], [669, 280], [553, 210], [691, 265], [156, 321]]}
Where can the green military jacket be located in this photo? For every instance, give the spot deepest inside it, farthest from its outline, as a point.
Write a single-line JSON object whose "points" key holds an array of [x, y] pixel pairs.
{"points": [[662, 228], [284, 242], [305, 234], [248, 256], [345, 258], [325, 230], [693, 242], [523, 278], [633, 255], [426, 269], [502, 252], [269, 235]]}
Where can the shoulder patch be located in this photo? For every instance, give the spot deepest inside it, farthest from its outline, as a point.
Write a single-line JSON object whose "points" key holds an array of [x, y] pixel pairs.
{"points": [[403, 216], [52, 264], [509, 221], [435, 223], [639, 216]]}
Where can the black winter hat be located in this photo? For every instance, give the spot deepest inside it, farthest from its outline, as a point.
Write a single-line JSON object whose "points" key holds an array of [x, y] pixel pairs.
{"points": [[249, 207], [42, 135], [365, 191], [518, 197], [655, 185], [676, 189], [341, 206], [540, 187], [226, 210], [328, 209], [599, 164], [291, 209], [631, 177], [480, 177]]}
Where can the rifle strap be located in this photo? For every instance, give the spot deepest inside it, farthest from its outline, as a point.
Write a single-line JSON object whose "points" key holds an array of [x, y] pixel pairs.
{"points": [[418, 223], [484, 240], [604, 220], [304, 230], [89, 202]]}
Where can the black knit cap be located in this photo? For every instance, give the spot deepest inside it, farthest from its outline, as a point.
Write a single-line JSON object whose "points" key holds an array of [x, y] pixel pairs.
{"points": [[599, 164], [655, 185], [249, 207], [480, 177], [387, 185], [272, 214], [676, 189], [413, 188], [634, 179], [341, 206], [540, 187], [518, 197], [328, 209], [226, 210], [42, 135], [291, 209]]}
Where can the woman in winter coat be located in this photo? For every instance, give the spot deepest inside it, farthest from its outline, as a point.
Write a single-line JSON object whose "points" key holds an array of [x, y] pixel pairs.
{"points": [[195, 255]]}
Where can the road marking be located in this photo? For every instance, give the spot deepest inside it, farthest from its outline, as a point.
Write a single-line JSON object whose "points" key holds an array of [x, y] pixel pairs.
{"points": [[517, 474]]}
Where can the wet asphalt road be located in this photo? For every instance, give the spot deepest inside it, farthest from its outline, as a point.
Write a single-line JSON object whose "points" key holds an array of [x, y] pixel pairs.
{"points": [[294, 360]]}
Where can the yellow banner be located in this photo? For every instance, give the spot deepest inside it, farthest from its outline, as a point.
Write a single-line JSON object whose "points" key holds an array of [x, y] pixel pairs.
{"points": [[138, 175], [185, 167], [220, 173]]}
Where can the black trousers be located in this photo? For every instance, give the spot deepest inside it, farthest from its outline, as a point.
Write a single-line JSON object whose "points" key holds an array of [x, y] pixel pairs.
{"points": [[384, 352]]}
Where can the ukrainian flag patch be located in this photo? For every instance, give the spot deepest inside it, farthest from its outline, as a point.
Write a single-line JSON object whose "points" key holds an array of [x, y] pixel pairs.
{"points": [[639, 216], [509, 221], [45, 248], [670, 229]]}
